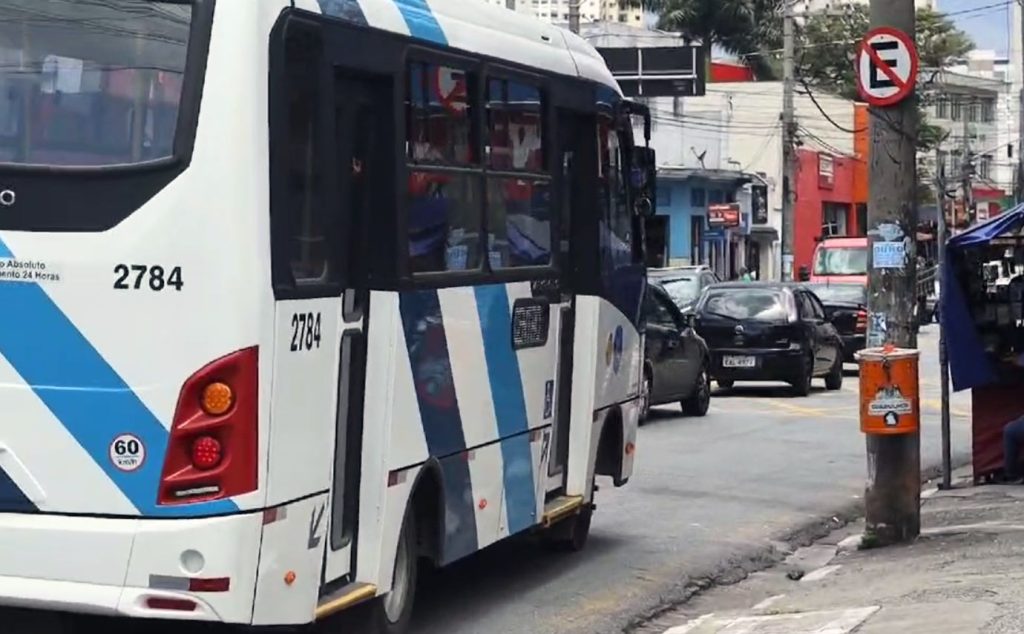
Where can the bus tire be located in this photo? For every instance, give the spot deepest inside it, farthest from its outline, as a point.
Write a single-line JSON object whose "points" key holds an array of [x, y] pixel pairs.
{"points": [[392, 613]]}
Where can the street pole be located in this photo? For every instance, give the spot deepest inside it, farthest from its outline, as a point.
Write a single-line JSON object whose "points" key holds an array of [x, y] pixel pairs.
{"points": [[947, 451], [1019, 184], [892, 497], [788, 142], [574, 15], [966, 167]]}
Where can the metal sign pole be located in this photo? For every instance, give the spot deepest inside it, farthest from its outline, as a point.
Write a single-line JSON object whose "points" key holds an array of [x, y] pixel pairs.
{"points": [[947, 458]]}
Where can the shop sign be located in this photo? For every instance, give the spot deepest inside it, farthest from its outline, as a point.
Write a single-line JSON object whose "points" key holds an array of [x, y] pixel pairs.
{"points": [[724, 216]]}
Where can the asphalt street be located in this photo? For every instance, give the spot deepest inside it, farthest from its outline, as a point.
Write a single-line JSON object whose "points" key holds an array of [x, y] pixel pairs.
{"points": [[708, 495]]}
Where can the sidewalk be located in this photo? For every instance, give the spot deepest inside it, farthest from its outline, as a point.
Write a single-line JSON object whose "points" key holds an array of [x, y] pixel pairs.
{"points": [[965, 574]]}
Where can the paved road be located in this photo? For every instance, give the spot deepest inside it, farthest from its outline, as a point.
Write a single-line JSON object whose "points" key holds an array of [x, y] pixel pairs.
{"points": [[706, 493]]}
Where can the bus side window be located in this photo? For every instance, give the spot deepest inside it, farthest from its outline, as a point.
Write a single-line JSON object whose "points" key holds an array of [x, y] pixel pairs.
{"points": [[305, 225], [444, 204]]}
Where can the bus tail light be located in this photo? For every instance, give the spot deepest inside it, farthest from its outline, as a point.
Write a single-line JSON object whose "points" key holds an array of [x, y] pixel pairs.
{"points": [[214, 442], [862, 321]]}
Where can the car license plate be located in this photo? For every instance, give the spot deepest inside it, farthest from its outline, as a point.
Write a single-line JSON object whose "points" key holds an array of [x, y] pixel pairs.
{"points": [[738, 362]]}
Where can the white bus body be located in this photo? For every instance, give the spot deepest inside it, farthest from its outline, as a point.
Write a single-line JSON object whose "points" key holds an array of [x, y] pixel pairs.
{"points": [[208, 409]]}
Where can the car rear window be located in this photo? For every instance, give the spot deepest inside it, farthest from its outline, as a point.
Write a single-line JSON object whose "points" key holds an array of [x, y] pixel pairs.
{"points": [[747, 303], [682, 290]]}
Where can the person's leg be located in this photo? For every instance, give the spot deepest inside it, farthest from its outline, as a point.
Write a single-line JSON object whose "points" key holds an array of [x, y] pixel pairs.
{"points": [[1013, 437]]}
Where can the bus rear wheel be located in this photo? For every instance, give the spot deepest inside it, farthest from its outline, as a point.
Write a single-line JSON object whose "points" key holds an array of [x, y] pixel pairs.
{"points": [[392, 612]]}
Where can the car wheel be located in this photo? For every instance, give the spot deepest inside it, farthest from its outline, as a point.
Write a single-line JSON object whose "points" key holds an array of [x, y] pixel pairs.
{"points": [[834, 379], [700, 400], [645, 397], [802, 386], [725, 384]]}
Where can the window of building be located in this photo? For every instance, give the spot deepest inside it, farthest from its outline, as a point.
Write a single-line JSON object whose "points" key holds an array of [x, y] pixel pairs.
{"points": [[988, 109], [664, 196], [985, 166], [697, 197], [467, 214], [955, 108], [942, 108], [716, 196]]}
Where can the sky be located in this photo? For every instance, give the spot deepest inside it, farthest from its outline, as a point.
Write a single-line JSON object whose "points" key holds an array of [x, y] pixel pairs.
{"points": [[986, 21]]}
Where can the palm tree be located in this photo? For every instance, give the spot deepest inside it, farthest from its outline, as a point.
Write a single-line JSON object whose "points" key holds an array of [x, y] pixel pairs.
{"points": [[744, 27]]}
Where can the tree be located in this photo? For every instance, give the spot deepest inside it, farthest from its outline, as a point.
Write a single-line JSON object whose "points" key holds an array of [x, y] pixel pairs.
{"points": [[744, 27]]}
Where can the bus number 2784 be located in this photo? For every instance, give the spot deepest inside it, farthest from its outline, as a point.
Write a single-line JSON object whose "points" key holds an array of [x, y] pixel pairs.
{"points": [[305, 331]]}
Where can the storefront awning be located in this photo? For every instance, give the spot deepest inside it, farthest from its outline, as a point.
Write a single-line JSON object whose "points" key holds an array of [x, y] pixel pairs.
{"points": [[969, 364], [764, 232]]}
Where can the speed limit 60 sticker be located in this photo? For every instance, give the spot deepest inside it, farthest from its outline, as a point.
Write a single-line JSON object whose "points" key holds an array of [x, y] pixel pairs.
{"points": [[127, 452]]}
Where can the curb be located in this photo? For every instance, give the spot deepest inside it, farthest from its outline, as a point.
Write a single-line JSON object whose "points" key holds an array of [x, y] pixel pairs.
{"points": [[776, 551]]}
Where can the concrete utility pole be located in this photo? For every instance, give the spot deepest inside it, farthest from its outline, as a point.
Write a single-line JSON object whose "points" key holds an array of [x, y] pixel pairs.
{"points": [[574, 15], [788, 141], [1019, 181], [893, 494], [967, 167]]}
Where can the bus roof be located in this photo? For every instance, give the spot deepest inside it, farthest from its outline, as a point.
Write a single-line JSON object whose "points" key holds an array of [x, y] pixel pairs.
{"points": [[477, 27]]}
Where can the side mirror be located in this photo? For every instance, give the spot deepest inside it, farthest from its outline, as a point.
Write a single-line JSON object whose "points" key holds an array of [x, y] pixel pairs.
{"points": [[644, 182], [805, 273]]}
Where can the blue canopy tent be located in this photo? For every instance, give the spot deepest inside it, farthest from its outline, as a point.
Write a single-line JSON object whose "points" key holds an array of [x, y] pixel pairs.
{"points": [[969, 364]]}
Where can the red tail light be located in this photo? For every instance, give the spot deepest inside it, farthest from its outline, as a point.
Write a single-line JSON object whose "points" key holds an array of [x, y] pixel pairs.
{"points": [[214, 455], [862, 321]]}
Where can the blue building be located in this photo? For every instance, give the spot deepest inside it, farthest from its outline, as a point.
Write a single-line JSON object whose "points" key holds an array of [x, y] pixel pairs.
{"points": [[690, 236]]}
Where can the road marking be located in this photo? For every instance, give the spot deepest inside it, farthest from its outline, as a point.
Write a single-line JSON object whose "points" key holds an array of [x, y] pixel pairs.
{"points": [[767, 603]]}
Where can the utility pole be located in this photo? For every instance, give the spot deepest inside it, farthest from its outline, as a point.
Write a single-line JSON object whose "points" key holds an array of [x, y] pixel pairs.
{"points": [[892, 496], [574, 15], [1019, 184], [967, 167], [788, 141]]}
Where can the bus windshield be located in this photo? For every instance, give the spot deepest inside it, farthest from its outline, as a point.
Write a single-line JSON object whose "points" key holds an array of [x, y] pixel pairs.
{"points": [[841, 261], [90, 84]]}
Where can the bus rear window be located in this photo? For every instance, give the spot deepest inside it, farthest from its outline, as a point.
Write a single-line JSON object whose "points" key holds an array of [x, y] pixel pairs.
{"points": [[90, 84]]}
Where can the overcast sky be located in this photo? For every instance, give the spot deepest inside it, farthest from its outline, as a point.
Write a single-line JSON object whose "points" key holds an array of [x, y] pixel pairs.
{"points": [[988, 25]]}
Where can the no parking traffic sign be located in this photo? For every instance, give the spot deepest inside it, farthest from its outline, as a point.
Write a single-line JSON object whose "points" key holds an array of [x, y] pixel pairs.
{"points": [[886, 66]]}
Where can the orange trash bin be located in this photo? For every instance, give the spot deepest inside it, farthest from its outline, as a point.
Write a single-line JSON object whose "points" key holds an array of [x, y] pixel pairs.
{"points": [[889, 397]]}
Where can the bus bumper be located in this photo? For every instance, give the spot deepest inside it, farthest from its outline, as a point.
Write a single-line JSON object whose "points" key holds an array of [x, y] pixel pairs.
{"points": [[189, 569]]}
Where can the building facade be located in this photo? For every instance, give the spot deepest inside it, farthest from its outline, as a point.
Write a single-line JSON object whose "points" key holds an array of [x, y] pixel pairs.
{"points": [[557, 11]]}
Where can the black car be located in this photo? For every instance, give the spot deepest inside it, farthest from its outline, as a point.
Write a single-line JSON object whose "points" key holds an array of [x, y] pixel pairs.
{"points": [[675, 358], [683, 283], [763, 331], [846, 306]]}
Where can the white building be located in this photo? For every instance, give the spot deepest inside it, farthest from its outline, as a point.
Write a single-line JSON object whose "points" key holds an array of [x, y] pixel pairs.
{"points": [[814, 6], [557, 11]]}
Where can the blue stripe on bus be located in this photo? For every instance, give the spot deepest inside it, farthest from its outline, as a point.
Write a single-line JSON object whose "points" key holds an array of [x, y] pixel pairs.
{"points": [[427, 344], [421, 21], [509, 405], [12, 499], [85, 393]]}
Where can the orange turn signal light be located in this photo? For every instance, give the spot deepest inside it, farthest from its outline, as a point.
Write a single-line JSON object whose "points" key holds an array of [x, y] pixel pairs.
{"points": [[217, 399]]}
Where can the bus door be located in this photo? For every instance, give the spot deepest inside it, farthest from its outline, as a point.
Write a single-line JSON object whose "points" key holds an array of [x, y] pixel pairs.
{"points": [[360, 145], [576, 146]]}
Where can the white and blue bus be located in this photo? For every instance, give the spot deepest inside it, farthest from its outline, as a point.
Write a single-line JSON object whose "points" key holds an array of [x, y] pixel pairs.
{"points": [[301, 294]]}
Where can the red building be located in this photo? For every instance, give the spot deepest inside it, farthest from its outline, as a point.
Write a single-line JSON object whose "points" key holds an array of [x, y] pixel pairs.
{"points": [[827, 201]]}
